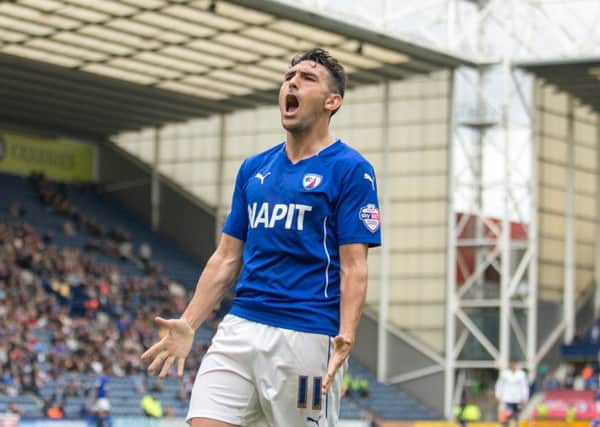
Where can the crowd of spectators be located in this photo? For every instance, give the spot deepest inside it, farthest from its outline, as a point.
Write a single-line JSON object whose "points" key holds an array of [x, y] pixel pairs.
{"points": [[355, 387], [576, 376], [62, 311]]}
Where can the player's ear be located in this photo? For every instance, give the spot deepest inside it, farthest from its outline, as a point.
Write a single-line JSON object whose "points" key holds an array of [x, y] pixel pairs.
{"points": [[333, 102]]}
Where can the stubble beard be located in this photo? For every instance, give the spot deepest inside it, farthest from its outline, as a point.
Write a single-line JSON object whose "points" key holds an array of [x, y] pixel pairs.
{"points": [[302, 125], [297, 128]]}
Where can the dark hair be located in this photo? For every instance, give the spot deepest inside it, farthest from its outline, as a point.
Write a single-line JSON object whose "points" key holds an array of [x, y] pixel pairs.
{"points": [[336, 70]]}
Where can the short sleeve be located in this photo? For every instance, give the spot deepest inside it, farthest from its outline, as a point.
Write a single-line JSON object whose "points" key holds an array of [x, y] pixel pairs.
{"points": [[236, 224], [357, 215]]}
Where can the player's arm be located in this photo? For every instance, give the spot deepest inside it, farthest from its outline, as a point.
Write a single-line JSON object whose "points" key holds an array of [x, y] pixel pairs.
{"points": [[524, 389], [353, 289], [499, 386], [220, 271]]}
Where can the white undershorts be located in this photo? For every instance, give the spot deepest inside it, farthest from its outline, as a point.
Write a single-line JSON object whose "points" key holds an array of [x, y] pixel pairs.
{"points": [[258, 375]]}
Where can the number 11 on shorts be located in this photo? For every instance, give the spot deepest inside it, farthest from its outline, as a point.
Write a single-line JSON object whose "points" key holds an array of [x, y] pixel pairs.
{"points": [[303, 392]]}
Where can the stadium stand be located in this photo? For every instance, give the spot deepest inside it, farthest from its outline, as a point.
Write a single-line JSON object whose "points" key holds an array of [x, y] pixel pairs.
{"points": [[570, 392], [585, 347], [77, 300], [389, 403]]}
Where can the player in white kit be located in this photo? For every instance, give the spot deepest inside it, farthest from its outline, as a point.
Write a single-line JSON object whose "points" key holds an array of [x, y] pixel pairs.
{"points": [[302, 218]]}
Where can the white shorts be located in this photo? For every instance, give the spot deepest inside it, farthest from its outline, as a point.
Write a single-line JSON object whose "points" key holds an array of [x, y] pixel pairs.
{"points": [[258, 375]]}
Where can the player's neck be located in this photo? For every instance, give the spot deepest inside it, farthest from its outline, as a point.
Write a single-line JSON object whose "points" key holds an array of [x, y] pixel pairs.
{"points": [[300, 146]]}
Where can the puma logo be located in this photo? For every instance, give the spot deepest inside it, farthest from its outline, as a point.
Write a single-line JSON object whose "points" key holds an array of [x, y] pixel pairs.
{"points": [[370, 179], [313, 420], [262, 177]]}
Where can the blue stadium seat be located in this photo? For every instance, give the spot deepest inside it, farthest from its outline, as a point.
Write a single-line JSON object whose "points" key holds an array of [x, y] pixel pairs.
{"points": [[386, 401]]}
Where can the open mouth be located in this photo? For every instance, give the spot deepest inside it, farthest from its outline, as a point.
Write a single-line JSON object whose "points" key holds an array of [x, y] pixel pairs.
{"points": [[291, 103]]}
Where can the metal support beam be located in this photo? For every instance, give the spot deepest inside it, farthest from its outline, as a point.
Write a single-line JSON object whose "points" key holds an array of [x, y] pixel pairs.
{"points": [[155, 182], [382, 341], [550, 342], [451, 297], [480, 250], [569, 262], [505, 295], [532, 233], [419, 373], [492, 133], [597, 254], [477, 333]]}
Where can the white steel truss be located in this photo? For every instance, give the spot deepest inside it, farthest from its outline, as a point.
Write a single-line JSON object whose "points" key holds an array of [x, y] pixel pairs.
{"points": [[484, 133]]}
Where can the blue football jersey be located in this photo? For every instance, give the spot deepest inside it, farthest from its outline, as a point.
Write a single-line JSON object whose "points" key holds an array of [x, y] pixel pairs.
{"points": [[293, 218]]}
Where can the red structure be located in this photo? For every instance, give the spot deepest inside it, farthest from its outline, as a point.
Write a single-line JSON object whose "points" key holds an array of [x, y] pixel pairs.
{"points": [[466, 255]]}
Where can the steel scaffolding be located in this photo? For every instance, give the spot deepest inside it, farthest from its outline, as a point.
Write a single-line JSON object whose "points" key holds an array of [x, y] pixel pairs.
{"points": [[514, 297]]}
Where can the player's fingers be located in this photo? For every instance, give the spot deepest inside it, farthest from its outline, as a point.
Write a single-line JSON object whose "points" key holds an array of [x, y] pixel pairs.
{"points": [[162, 322], [165, 369], [152, 351], [180, 365], [329, 378], [334, 365], [325, 384], [158, 360]]}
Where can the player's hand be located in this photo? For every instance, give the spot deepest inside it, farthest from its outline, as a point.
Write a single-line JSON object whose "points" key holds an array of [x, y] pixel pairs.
{"points": [[341, 351], [174, 346]]}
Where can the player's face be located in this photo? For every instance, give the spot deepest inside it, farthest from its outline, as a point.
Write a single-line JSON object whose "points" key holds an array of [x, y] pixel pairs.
{"points": [[304, 95]]}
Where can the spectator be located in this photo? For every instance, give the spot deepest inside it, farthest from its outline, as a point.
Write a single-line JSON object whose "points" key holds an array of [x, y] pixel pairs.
{"points": [[16, 210], [371, 418], [54, 409], [157, 386], [346, 385], [68, 228], [467, 413], [101, 386], [595, 333], [139, 383], [512, 391], [101, 415], [541, 410], [578, 383], [184, 391], [74, 388], [360, 387], [587, 372], [551, 383], [14, 408], [145, 254], [569, 380], [9, 385], [126, 251], [151, 406], [30, 381]]}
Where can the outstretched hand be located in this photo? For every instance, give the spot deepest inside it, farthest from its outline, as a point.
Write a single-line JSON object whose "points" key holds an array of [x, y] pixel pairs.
{"points": [[174, 346], [341, 351]]}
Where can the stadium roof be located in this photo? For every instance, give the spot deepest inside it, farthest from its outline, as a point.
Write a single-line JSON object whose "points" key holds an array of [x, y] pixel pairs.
{"points": [[578, 77], [99, 67]]}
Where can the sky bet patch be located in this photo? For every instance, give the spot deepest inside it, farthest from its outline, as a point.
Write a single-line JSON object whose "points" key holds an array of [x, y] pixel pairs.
{"points": [[369, 215]]}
